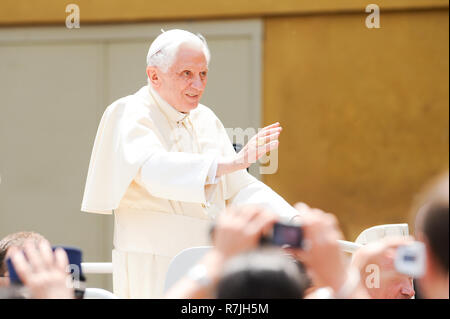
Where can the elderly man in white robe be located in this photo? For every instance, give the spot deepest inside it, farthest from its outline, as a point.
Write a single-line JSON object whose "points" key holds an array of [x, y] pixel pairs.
{"points": [[164, 165]]}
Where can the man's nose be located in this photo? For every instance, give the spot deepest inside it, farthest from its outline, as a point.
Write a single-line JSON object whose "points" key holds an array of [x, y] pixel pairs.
{"points": [[408, 291], [198, 84]]}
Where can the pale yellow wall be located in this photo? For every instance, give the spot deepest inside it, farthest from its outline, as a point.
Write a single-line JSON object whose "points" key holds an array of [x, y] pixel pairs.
{"points": [[364, 111]]}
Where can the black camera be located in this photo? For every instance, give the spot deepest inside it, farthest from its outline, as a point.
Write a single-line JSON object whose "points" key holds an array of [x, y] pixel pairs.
{"points": [[284, 235]]}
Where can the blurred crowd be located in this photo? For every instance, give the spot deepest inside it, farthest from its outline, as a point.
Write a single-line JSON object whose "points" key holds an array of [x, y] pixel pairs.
{"points": [[241, 264]]}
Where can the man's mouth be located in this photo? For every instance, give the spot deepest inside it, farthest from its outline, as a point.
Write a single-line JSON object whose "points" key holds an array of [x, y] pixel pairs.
{"points": [[191, 95]]}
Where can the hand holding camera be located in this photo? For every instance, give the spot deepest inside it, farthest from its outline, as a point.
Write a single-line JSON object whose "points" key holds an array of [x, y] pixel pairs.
{"points": [[320, 248], [284, 235], [240, 229]]}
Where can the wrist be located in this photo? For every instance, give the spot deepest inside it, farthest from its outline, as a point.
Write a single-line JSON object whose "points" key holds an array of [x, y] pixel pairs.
{"points": [[348, 286], [213, 262], [228, 165], [338, 281]]}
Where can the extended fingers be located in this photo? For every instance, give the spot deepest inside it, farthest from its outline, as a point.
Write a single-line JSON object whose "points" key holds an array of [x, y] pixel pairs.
{"points": [[34, 256], [262, 135], [61, 259], [271, 126], [268, 147], [21, 266], [266, 139], [46, 253], [269, 131]]}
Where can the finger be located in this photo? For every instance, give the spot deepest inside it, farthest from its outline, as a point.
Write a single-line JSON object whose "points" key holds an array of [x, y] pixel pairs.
{"points": [[268, 127], [228, 216], [317, 212], [301, 255], [61, 259], [269, 131], [290, 251], [294, 252], [310, 216], [21, 266], [46, 253], [266, 139], [262, 222], [33, 255], [249, 212], [262, 135], [267, 148], [302, 207]]}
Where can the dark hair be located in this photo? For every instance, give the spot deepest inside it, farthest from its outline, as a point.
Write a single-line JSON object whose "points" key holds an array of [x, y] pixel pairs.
{"points": [[262, 273], [435, 229], [432, 218]]}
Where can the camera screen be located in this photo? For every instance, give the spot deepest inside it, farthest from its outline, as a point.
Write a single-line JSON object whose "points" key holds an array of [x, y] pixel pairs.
{"points": [[287, 235], [409, 258]]}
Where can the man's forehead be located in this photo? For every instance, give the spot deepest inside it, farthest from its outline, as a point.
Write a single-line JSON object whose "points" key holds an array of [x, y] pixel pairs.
{"points": [[189, 50], [190, 61], [189, 66]]}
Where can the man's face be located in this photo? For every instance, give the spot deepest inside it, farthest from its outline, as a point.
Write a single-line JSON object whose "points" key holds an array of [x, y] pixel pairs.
{"points": [[375, 262], [185, 81], [393, 286]]}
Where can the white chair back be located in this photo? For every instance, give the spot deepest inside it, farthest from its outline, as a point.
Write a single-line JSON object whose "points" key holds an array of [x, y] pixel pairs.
{"points": [[181, 264], [97, 293]]}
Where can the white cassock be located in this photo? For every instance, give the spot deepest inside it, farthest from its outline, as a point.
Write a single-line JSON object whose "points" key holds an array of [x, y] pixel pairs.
{"points": [[154, 168]]}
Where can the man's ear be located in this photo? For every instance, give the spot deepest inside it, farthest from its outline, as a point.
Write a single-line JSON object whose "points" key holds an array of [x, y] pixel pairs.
{"points": [[152, 74]]}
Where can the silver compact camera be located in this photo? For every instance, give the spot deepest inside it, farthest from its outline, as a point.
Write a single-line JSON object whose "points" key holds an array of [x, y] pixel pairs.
{"points": [[410, 259]]}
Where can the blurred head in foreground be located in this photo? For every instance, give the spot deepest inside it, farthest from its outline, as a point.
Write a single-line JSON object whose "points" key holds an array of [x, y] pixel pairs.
{"points": [[431, 228], [262, 273]]}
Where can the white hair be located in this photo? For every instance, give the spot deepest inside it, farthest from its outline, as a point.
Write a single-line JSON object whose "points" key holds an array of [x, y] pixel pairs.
{"points": [[163, 50]]}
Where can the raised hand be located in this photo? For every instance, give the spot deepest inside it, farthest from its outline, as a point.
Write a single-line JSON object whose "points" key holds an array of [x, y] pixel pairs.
{"points": [[43, 272], [265, 141]]}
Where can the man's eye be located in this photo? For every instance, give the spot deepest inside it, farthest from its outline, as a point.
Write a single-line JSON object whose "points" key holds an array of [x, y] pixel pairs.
{"points": [[187, 73], [203, 74]]}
